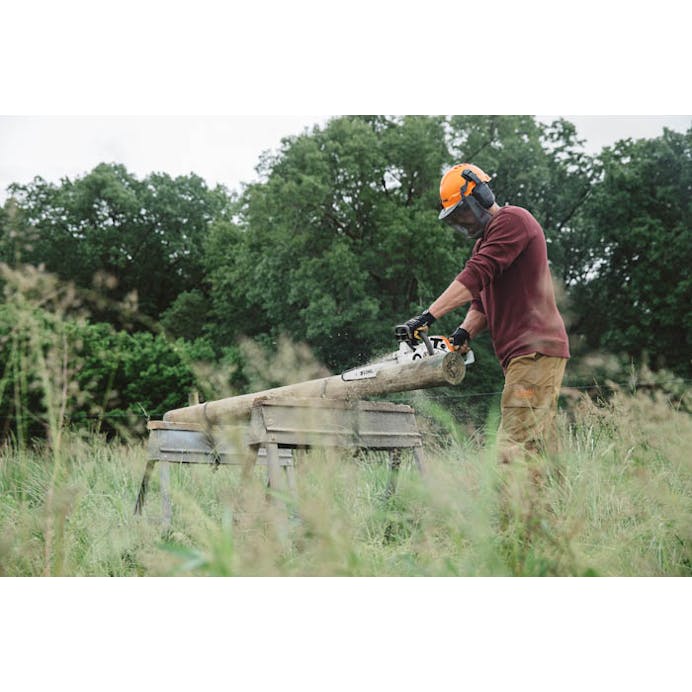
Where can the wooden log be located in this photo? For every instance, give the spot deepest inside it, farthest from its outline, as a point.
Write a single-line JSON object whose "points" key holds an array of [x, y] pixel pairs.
{"points": [[436, 371]]}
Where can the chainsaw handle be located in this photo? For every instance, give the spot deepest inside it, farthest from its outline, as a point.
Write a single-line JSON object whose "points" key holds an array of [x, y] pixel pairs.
{"points": [[423, 333], [403, 333]]}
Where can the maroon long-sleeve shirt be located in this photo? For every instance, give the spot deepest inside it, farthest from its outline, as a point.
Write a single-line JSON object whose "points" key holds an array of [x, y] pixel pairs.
{"points": [[509, 279]]}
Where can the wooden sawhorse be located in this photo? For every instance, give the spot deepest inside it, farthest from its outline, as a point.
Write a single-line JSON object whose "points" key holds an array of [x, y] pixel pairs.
{"points": [[277, 427]]}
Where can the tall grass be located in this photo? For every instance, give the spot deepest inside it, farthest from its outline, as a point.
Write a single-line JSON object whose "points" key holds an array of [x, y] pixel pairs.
{"points": [[616, 502]]}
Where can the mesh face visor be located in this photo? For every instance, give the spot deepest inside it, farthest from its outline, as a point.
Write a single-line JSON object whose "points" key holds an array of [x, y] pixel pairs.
{"points": [[453, 217]]}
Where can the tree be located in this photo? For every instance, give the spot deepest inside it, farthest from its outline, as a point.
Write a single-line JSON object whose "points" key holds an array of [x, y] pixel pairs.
{"points": [[123, 236], [636, 291], [338, 241], [187, 316]]}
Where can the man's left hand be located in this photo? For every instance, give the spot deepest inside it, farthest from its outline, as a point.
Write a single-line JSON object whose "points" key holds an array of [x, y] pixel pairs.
{"points": [[460, 340]]}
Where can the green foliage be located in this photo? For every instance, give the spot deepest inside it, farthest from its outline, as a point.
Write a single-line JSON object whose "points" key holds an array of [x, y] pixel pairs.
{"points": [[338, 243], [123, 236], [14, 233], [142, 372], [60, 369], [637, 285], [187, 316]]}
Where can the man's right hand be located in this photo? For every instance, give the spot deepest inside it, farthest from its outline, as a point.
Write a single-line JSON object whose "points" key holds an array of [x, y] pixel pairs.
{"points": [[410, 331], [460, 340], [419, 323]]}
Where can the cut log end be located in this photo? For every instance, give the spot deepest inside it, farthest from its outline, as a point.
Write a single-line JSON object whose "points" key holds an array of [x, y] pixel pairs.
{"points": [[454, 368]]}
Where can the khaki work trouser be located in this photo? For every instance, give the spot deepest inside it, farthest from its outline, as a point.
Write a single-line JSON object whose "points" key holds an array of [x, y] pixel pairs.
{"points": [[529, 406]]}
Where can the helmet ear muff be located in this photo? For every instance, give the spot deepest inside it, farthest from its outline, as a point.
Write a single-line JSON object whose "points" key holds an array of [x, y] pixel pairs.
{"points": [[481, 191]]}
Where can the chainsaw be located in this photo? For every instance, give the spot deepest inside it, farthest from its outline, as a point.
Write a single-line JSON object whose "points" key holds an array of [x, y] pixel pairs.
{"points": [[412, 347]]}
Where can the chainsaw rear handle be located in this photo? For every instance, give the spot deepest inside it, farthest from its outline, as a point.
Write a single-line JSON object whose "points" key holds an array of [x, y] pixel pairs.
{"points": [[403, 333]]}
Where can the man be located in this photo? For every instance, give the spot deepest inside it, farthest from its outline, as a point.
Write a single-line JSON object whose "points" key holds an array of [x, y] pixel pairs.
{"points": [[507, 281]]}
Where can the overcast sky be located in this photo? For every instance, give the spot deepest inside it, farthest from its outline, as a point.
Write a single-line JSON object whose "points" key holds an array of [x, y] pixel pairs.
{"points": [[220, 149]]}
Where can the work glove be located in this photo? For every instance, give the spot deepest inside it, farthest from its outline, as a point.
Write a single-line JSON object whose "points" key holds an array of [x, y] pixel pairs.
{"points": [[460, 339], [419, 323]]}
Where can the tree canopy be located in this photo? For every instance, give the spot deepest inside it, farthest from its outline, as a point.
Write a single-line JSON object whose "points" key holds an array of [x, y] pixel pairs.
{"points": [[110, 231], [636, 281]]}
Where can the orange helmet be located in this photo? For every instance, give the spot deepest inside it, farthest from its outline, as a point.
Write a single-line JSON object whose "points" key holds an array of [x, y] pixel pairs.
{"points": [[454, 188], [463, 187]]}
